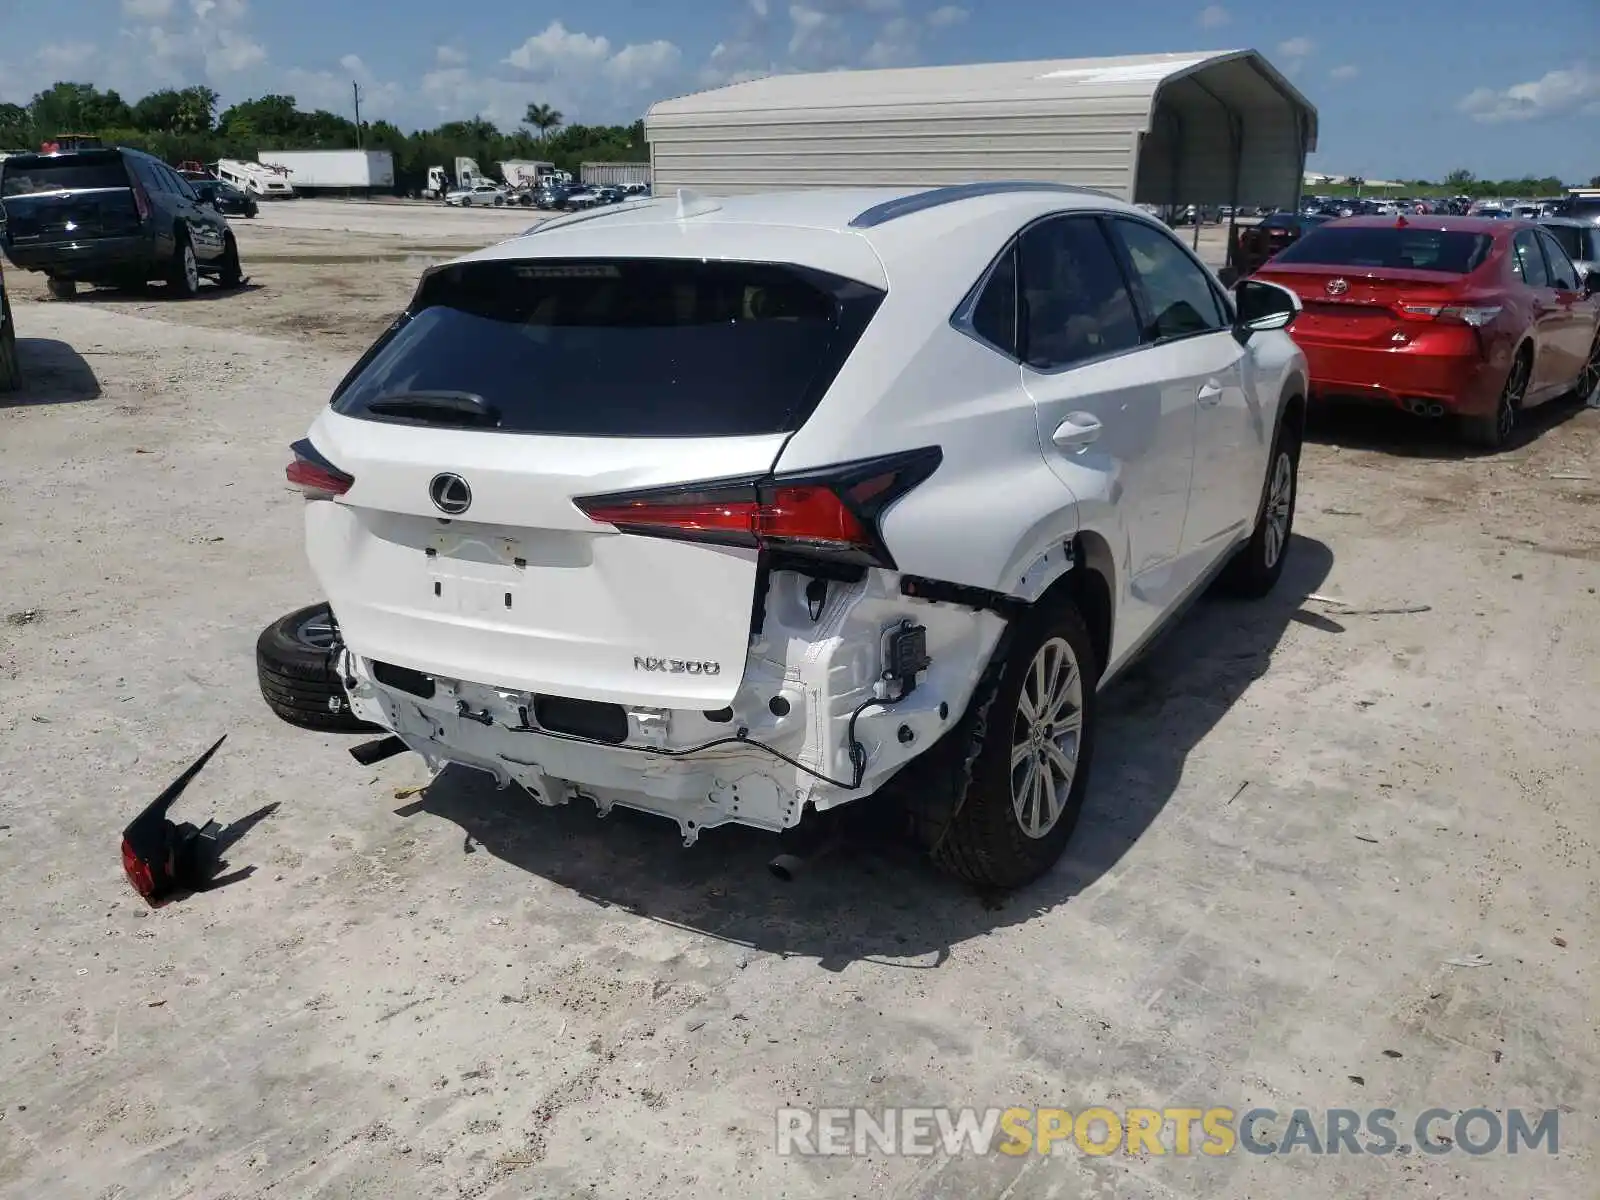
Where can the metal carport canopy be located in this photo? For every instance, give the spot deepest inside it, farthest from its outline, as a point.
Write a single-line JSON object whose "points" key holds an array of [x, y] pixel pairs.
{"points": [[1198, 128]]}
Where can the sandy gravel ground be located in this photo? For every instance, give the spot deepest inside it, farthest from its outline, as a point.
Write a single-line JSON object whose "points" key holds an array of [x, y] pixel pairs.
{"points": [[1302, 810]]}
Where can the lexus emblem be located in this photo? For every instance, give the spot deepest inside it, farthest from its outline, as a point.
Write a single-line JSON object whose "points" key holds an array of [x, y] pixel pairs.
{"points": [[1337, 287], [450, 494]]}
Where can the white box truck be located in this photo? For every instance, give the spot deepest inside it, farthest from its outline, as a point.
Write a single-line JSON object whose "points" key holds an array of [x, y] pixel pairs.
{"points": [[333, 170]]}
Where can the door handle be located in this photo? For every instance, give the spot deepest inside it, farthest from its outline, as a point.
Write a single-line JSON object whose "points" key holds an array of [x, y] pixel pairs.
{"points": [[1077, 431], [1210, 392]]}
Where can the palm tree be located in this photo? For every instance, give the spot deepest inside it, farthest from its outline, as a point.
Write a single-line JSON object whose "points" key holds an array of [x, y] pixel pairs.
{"points": [[543, 118]]}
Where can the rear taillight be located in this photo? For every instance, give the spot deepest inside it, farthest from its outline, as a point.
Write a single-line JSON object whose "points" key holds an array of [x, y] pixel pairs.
{"points": [[1461, 314], [141, 202], [830, 514], [138, 871], [314, 475]]}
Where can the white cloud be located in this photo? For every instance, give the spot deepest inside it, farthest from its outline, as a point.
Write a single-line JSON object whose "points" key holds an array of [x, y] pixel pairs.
{"points": [[949, 14], [817, 35], [1347, 71], [353, 64], [1296, 47], [215, 39], [66, 57], [644, 66], [450, 56], [557, 49], [1573, 89], [330, 90], [896, 45], [759, 7], [1213, 16]]}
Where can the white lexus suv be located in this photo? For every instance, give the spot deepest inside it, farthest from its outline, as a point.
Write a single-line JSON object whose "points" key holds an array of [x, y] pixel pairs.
{"points": [[729, 509]]}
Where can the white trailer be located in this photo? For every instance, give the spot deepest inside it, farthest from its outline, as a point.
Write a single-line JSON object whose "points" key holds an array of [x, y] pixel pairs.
{"points": [[333, 170], [525, 172], [257, 179], [613, 174]]}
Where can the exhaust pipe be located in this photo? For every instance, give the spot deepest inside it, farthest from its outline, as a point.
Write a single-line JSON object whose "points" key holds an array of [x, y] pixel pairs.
{"points": [[1436, 409]]}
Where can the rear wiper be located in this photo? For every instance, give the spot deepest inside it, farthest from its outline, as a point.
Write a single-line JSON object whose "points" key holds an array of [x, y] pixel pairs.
{"points": [[466, 408]]}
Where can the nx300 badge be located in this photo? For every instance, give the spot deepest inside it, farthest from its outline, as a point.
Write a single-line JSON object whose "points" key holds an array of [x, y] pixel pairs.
{"points": [[676, 666]]}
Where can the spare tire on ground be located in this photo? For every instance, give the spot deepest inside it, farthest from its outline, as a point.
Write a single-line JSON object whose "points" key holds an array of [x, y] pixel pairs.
{"points": [[297, 659]]}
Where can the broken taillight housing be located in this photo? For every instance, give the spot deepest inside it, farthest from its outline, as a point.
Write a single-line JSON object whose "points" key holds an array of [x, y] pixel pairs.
{"points": [[138, 870], [314, 475], [832, 513]]}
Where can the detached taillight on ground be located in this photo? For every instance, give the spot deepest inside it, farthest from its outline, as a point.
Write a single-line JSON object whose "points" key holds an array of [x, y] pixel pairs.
{"points": [[314, 475], [831, 513]]}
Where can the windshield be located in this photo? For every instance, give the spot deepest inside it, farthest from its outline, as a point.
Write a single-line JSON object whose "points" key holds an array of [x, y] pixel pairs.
{"points": [[1450, 251], [31, 174], [622, 347]]}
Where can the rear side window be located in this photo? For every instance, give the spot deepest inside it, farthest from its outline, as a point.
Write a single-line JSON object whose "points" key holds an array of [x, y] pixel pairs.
{"points": [[994, 316], [1449, 251], [1570, 238], [26, 175], [1075, 304], [1527, 260], [615, 348]]}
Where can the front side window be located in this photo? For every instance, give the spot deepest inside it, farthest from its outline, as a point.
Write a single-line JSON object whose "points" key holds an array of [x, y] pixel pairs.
{"points": [[1563, 274], [1074, 302], [1178, 297]]}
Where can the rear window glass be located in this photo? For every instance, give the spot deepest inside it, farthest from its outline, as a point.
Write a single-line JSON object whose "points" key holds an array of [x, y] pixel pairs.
{"points": [[615, 348], [1453, 251], [25, 176]]}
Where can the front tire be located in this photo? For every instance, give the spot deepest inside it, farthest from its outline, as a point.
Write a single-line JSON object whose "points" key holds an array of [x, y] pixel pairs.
{"points": [[1257, 566], [1025, 743], [297, 669], [230, 274], [183, 276]]}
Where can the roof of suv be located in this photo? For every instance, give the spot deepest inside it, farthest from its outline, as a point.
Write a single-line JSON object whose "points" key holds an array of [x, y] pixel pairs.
{"points": [[849, 231]]}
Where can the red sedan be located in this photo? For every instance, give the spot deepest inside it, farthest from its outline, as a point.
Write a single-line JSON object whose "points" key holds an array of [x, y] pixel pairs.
{"points": [[1460, 316]]}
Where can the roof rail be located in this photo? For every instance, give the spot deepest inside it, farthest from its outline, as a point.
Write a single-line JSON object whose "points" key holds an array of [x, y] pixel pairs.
{"points": [[904, 206]]}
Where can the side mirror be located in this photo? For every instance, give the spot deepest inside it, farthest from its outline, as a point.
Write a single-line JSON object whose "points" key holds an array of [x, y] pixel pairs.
{"points": [[1591, 282], [1263, 306], [205, 193]]}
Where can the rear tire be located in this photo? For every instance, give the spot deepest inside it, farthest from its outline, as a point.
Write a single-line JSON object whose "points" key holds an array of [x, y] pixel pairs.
{"points": [[1589, 379], [61, 289], [1494, 431], [1257, 566], [183, 275], [1021, 757], [297, 659], [10, 368]]}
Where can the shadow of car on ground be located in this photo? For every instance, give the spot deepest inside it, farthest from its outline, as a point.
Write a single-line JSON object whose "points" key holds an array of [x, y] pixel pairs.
{"points": [[873, 896], [1355, 426], [52, 373]]}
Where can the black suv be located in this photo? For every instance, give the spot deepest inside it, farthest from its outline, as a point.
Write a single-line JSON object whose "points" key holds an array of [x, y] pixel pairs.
{"points": [[10, 372], [111, 216]]}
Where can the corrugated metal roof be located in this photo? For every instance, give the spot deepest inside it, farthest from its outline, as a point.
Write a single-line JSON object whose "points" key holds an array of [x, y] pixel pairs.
{"points": [[1198, 127], [1067, 79]]}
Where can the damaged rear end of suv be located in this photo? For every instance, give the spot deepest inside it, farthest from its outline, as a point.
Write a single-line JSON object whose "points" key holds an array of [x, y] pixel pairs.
{"points": [[695, 513]]}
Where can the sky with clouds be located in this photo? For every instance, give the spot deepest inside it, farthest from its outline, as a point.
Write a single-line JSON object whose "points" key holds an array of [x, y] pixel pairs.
{"points": [[1415, 89]]}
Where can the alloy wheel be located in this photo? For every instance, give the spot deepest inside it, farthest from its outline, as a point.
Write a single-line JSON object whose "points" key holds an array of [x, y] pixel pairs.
{"points": [[318, 630], [1046, 736], [1280, 503], [1511, 398], [191, 269], [1589, 378]]}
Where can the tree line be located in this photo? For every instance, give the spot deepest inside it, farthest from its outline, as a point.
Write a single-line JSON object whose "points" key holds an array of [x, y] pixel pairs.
{"points": [[183, 124]]}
